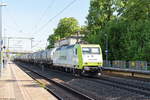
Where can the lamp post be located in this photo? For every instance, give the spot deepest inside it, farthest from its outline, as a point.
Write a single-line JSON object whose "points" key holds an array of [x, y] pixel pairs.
{"points": [[1, 40], [106, 50]]}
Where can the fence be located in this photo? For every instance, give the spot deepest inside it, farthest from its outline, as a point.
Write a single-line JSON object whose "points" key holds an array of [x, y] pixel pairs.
{"points": [[137, 65]]}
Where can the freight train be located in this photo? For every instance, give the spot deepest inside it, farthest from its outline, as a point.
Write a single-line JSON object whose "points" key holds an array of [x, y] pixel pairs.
{"points": [[78, 58]]}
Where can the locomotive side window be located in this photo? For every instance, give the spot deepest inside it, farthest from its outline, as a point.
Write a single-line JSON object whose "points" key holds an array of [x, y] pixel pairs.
{"points": [[76, 51]]}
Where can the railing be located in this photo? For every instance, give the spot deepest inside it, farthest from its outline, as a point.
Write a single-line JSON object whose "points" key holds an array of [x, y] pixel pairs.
{"points": [[134, 65]]}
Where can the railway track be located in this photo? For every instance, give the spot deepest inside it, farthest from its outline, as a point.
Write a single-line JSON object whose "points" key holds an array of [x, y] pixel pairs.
{"points": [[58, 89], [136, 88], [123, 83]]}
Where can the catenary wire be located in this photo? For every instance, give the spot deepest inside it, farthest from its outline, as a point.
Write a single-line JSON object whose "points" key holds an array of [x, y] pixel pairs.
{"points": [[60, 12]]}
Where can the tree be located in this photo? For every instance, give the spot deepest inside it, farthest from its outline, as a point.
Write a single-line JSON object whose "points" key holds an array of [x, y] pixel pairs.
{"points": [[137, 10], [66, 27], [100, 14], [51, 39], [126, 23]]}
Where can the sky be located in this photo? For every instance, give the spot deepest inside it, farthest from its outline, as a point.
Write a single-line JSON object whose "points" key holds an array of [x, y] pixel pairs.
{"points": [[30, 18]]}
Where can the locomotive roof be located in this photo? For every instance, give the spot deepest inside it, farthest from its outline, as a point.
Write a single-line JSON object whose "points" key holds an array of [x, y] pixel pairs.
{"points": [[65, 47], [82, 45]]}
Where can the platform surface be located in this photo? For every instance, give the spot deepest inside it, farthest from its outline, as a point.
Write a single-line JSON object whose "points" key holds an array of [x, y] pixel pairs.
{"points": [[17, 85]]}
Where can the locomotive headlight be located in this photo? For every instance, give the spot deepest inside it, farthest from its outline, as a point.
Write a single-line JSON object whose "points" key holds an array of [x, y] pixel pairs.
{"points": [[99, 74]]}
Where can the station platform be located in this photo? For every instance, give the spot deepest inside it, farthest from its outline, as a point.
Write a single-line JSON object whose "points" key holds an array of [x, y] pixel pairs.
{"points": [[17, 85]]}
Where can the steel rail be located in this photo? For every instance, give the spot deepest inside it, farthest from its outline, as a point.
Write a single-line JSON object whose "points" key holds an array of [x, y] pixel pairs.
{"points": [[45, 87], [122, 85], [69, 89]]}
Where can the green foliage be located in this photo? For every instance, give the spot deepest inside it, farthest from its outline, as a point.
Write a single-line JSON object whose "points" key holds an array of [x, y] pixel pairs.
{"points": [[126, 23], [51, 39], [100, 13], [137, 9], [65, 28]]}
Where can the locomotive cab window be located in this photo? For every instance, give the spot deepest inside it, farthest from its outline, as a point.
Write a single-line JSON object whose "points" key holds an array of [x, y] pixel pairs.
{"points": [[91, 50], [86, 50], [95, 51]]}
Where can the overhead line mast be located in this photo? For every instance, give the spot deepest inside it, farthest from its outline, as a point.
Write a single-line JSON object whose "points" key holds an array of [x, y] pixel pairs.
{"points": [[1, 40]]}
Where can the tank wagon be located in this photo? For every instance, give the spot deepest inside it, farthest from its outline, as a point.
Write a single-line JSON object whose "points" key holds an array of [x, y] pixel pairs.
{"points": [[41, 57], [78, 58]]}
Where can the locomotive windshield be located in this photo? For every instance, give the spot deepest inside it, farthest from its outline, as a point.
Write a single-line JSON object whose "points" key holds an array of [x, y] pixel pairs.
{"points": [[91, 50]]}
